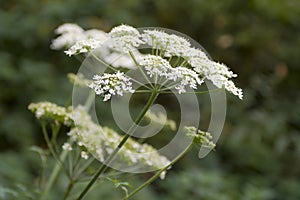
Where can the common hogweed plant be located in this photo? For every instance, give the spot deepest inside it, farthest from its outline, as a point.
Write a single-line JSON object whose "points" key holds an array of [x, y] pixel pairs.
{"points": [[118, 67]]}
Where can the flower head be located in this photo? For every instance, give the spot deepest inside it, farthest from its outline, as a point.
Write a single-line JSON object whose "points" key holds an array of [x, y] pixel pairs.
{"points": [[223, 82], [155, 65], [69, 35], [68, 28], [186, 77], [47, 110], [111, 84], [200, 137], [97, 140], [218, 73], [193, 68], [72, 35], [170, 44], [124, 38], [83, 46]]}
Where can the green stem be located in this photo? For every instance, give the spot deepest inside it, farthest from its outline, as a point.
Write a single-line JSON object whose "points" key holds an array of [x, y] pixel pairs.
{"points": [[125, 138], [164, 91], [59, 163], [50, 146], [69, 188], [177, 61], [138, 66], [55, 130], [47, 139], [80, 169], [183, 63], [155, 176], [54, 174]]}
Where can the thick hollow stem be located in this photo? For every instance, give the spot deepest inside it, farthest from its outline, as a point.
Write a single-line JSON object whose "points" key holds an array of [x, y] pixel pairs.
{"points": [[104, 166]]}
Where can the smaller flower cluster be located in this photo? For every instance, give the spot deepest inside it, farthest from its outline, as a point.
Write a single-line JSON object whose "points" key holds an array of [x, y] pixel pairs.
{"points": [[200, 137], [186, 77], [169, 44], [107, 85], [157, 66], [218, 73], [83, 46], [97, 140], [69, 35], [173, 45], [124, 38], [77, 40], [50, 111]]}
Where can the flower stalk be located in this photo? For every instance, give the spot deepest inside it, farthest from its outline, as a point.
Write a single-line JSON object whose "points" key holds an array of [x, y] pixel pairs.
{"points": [[157, 174]]}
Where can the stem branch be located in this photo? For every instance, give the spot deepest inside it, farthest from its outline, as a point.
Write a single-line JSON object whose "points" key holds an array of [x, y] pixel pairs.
{"points": [[155, 176]]}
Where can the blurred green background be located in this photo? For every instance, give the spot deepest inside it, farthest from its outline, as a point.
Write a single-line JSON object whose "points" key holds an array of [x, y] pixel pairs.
{"points": [[258, 154]]}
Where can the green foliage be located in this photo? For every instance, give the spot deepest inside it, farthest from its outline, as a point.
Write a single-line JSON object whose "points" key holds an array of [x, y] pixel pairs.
{"points": [[257, 156]]}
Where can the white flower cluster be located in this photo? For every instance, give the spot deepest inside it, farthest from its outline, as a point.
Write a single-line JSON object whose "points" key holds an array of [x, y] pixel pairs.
{"points": [[78, 40], [124, 38], [200, 137], [169, 44], [218, 73], [111, 84], [157, 66], [173, 45], [99, 141], [83, 46], [69, 35], [186, 77], [47, 110]]}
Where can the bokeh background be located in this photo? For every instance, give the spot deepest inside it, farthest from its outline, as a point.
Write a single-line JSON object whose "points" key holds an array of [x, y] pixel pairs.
{"points": [[258, 154]]}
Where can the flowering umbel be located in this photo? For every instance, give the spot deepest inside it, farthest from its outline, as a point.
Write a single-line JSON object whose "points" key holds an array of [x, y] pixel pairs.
{"points": [[173, 57], [98, 140], [107, 85], [200, 137]]}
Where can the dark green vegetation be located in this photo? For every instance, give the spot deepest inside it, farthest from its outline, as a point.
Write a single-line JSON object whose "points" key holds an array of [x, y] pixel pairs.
{"points": [[258, 154]]}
